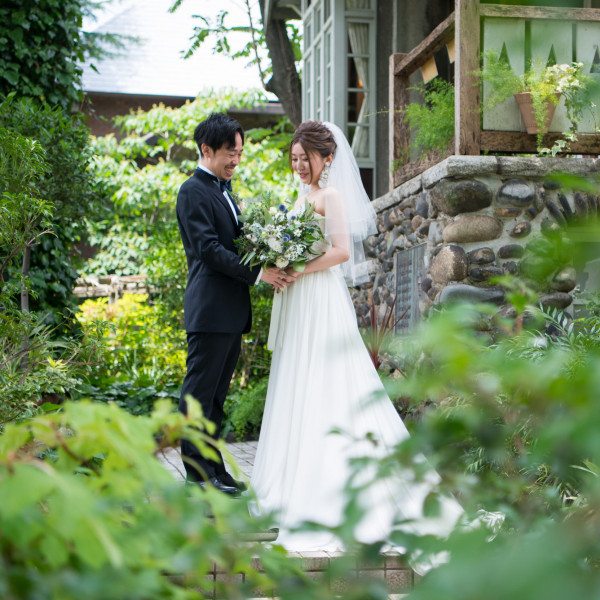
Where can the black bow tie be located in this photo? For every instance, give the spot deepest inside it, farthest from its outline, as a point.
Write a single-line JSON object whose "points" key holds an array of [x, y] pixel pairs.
{"points": [[224, 184]]}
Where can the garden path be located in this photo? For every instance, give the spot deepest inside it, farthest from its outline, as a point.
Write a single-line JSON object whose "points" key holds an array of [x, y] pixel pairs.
{"points": [[242, 452], [398, 576]]}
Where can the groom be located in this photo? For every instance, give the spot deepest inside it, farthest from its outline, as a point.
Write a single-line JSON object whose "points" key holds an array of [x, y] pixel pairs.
{"points": [[217, 298]]}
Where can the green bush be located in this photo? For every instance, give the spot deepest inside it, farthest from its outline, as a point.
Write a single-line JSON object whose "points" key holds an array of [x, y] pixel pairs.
{"points": [[41, 47], [244, 410], [432, 122], [34, 365], [87, 511], [144, 358], [70, 188], [512, 429]]}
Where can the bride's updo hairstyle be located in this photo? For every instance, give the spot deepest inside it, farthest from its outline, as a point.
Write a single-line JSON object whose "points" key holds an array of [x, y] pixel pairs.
{"points": [[315, 138]]}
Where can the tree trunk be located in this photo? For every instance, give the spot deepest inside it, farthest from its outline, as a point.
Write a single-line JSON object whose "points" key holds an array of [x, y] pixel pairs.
{"points": [[25, 304], [25, 273], [285, 82]]}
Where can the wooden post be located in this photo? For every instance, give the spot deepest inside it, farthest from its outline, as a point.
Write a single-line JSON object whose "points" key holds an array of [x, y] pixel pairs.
{"points": [[398, 129], [467, 128]]}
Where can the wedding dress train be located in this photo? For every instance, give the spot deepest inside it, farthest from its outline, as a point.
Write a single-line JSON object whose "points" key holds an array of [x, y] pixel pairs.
{"points": [[323, 380]]}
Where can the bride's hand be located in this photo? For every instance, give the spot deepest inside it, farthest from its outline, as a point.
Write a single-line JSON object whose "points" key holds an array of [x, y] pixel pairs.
{"points": [[291, 272], [277, 278]]}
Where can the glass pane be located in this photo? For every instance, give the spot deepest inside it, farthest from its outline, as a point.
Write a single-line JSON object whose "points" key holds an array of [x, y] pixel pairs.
{"points": [[353, 80], [318, 78], [360, 4], [355, 102], [326, 10], [307, 34], [360, 147], [308, 68], [318, 61], [317, 20]]}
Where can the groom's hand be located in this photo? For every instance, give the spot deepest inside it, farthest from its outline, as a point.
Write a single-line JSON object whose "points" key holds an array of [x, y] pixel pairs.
{"points": [[277, 278]]}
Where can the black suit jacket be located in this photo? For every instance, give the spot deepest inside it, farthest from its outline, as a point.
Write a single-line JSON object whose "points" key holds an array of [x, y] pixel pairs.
{"points": [[217, 296]]}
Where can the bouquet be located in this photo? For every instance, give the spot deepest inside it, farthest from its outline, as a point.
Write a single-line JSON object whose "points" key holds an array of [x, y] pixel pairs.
{"points": [[274, 236]]}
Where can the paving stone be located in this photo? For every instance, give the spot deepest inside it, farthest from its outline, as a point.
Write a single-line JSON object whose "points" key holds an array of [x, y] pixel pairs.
{"points": [[515, 192], [565, 280], [399, 580], [521, 229], [458, 197], [484, 273], [511, 251], [558, 300], [507, 211], [481, 256], [460, 292], [450, 264], [473, 228], [314, 561]]}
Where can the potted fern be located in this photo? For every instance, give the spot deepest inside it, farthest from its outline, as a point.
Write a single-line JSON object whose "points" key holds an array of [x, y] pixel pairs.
{"points": [[537, 92]]}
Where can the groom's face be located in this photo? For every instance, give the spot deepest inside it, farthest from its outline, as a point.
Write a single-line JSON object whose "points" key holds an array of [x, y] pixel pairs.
{"points": [[223, 161]]}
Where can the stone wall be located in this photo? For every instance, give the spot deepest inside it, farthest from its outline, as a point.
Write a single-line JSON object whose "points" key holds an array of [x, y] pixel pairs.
{"points": [[480, 217]]}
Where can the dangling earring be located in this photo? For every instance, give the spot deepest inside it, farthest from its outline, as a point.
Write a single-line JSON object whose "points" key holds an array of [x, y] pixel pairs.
{"points": [[324, 177]]}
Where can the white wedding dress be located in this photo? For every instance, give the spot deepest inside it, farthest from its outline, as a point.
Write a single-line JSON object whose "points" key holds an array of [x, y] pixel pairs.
{"points": [[322, 379]]}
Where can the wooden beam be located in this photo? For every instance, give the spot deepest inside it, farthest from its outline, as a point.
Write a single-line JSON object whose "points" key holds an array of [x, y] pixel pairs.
{"points": [[398, 100], [467, 126], [434, 42], [517, 141], [540, 12]]}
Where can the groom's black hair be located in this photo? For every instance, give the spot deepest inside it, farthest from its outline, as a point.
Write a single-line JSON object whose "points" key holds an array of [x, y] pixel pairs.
{"points": [[216, 131]]}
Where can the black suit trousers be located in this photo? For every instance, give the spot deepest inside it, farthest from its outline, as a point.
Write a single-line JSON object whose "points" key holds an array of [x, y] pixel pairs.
{"points": [[211, 360]]}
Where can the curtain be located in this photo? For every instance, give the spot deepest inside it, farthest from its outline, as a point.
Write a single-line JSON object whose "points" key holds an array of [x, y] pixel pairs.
{"points": [[358, 35]]}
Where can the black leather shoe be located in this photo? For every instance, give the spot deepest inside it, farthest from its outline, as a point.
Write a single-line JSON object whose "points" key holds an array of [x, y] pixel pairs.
{"points": [[228, 480], [217, 484]]}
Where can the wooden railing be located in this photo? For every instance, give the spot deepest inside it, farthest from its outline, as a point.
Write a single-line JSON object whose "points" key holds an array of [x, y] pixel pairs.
{"points": [[462, 30]]}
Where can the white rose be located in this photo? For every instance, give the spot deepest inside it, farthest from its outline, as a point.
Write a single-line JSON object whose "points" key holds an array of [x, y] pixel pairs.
{"points": [[275, 244], [281, 262]]}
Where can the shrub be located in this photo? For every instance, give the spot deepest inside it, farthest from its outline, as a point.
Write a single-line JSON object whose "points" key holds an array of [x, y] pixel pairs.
{"points": [[144, 358], [89, 512], [244, 410], [432, 122], [34, 365], [69, 187]]}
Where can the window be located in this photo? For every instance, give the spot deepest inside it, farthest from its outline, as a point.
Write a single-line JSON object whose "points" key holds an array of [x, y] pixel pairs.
{"points": [[339, 72]]}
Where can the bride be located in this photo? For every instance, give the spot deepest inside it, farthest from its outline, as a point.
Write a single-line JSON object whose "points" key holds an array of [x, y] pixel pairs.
{"points": [[325, 402]]}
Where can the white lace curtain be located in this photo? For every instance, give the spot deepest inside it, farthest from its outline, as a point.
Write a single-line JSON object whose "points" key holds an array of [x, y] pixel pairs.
{"points": [[358, 35]]}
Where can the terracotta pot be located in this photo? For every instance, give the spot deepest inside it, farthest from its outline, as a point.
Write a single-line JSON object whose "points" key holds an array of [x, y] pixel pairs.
{"points": [[526, 107]]}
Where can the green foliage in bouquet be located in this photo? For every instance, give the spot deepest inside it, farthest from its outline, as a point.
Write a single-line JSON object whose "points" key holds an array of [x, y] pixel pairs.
{"points": [[271, 235]]}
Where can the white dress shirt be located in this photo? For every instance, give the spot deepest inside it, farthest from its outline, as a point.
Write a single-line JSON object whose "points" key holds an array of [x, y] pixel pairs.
{"points": [[230, 202]]}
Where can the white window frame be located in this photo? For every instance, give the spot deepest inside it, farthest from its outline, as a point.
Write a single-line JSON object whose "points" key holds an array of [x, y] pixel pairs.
{"points": [[320, 99]]}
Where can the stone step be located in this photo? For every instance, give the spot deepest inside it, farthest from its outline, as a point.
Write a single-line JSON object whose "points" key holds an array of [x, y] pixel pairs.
{"points": [[398, 576]]}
